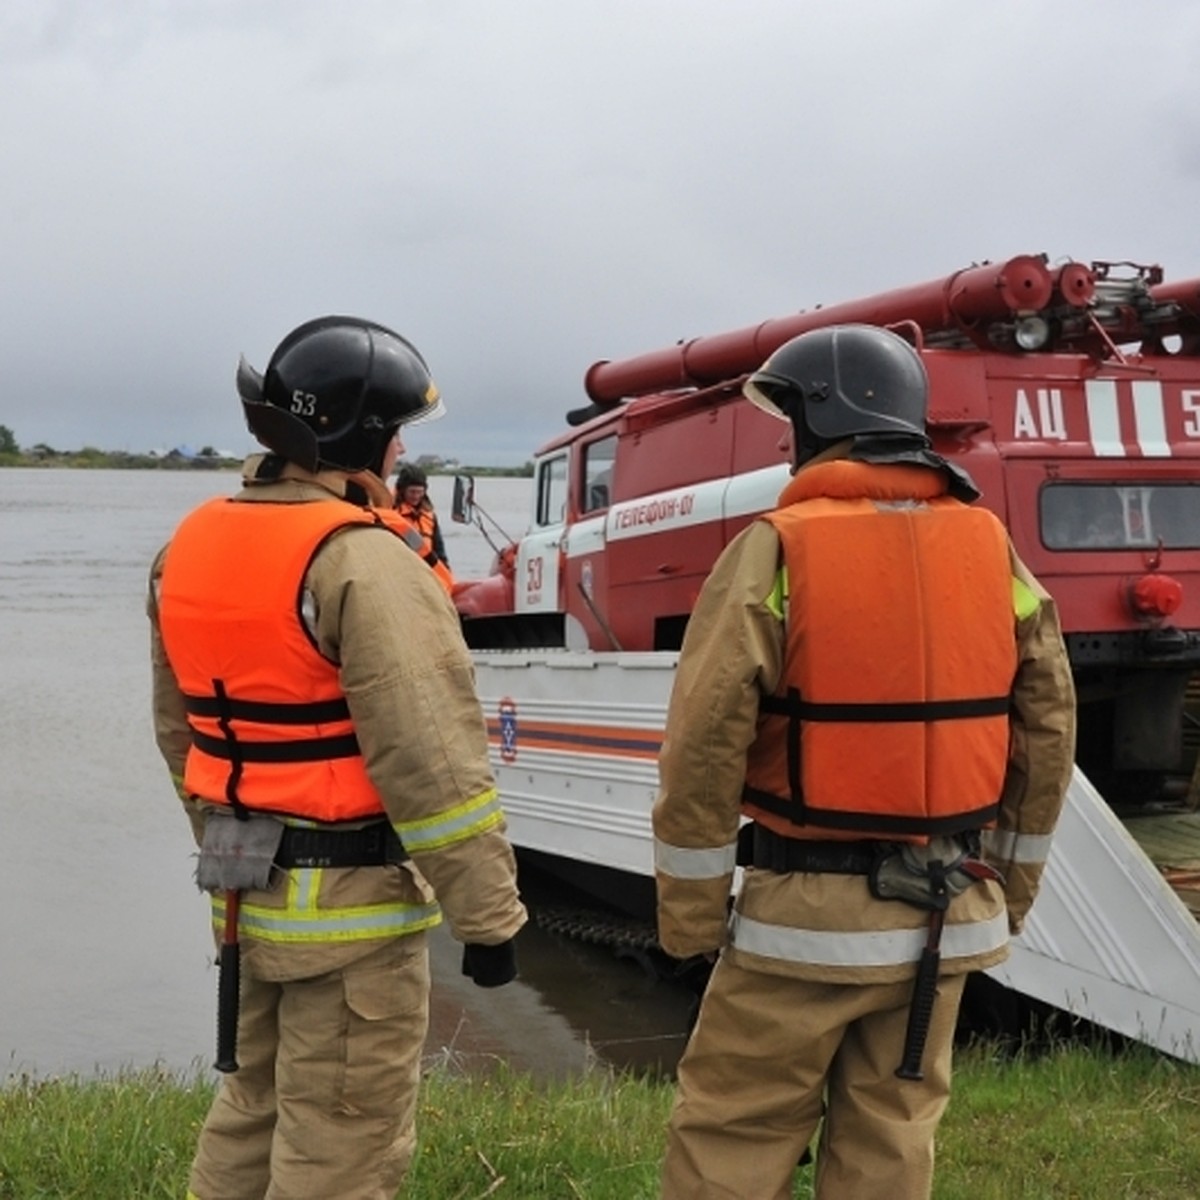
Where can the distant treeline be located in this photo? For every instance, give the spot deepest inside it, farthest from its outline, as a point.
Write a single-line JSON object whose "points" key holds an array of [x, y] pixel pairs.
{"points": [[90, 457], [525, 471], [174, 460]]}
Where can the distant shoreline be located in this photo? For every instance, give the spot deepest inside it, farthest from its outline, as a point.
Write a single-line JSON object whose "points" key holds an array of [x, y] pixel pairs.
{"points": [[129, 462], [90, 460]]}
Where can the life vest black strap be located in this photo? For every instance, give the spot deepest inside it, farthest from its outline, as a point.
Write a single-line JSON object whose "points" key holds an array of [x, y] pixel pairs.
{"points": [[874, 823], [303, 750], [233, 750], [316, 712], [913, 710]]}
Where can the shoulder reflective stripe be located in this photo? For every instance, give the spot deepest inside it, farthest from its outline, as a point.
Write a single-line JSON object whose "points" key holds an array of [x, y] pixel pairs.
{"points": [[309, 924], [467, 820], [777, 600], [1008, 846], [709, 863], [413, 540], [824, 947], [1025, 600]]}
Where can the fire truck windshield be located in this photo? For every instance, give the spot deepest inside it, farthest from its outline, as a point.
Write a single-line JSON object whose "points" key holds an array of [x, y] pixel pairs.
{"points": [[1093, 516]]}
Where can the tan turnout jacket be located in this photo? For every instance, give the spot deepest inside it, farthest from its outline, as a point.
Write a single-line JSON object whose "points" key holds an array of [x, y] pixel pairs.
{"points": [[379, 612], [827, 926]]}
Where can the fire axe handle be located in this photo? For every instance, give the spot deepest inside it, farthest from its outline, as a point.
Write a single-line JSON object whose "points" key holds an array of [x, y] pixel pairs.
{"points": [[920, 1012], [229, 988]]}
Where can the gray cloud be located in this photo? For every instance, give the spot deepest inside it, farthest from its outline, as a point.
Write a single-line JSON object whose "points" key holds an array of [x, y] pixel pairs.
{"points": [[525, 187]]}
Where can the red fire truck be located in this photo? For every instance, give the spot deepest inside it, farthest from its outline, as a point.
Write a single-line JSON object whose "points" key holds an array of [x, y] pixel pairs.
{"points": [[1071, 395]]}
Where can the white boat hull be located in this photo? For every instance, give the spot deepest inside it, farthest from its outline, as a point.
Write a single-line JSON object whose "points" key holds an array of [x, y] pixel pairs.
{"points": [[575, 738]]}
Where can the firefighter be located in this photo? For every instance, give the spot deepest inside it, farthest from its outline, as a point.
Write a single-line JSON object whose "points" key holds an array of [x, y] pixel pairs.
{"points": [[331, 753], [413, 503], [874, 680]]}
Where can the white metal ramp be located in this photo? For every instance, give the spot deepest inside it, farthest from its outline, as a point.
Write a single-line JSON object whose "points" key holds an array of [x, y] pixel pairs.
{"points": [[1107, 938]]}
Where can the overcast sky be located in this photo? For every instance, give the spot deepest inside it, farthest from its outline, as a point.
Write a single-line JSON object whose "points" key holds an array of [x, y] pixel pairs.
{"points": [[522, 187]]}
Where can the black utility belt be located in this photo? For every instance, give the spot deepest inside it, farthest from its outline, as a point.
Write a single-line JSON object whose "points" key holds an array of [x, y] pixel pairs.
{"points": [[371, 846], [759, 846]]}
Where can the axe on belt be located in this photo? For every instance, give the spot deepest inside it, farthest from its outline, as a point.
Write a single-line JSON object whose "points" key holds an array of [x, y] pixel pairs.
{"points": [[920, 1012], [229, 986], [236, 855]]}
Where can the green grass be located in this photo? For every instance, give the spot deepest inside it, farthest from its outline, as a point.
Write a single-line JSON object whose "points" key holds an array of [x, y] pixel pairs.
{"points": [[130, 1136], [1072, 1124]]}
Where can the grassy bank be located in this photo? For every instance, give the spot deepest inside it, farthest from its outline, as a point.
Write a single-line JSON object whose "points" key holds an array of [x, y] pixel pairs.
{"points": [[1074, 1124]]}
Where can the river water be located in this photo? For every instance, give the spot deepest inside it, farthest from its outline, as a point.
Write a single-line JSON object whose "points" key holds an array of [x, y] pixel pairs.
{"points": [[106, 960]]}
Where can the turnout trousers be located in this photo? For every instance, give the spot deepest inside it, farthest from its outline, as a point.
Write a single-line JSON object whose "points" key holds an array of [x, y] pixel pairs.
{"points": [[771, 1055], [324, 1103]]}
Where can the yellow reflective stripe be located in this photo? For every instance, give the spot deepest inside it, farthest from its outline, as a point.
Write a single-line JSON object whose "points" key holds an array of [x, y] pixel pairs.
{"points": [[467, 820], [310, 924], [1025, 600], [776, 600], [303, 888]]}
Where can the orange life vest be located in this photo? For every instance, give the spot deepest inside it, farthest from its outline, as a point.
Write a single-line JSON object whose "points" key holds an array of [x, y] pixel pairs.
{"points": [[891, 719], [271, 729], [423, 520]]}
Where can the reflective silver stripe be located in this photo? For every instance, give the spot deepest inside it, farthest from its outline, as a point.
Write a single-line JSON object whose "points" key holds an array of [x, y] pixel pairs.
{"points": [[709, 863], [874, 948], [467, 820], [304, 888], [1006, 846], [312, 925]]}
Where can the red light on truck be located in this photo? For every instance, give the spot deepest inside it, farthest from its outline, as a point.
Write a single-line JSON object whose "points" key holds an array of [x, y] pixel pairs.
{"points": [[1156, 595]]}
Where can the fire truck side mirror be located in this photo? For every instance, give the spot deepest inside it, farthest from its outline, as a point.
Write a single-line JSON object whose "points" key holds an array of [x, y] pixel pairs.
{"points": [[462, 507]]}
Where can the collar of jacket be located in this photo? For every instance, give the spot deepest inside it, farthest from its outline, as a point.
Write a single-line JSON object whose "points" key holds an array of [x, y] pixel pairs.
{"points": [[361, 487], [842, 479]]}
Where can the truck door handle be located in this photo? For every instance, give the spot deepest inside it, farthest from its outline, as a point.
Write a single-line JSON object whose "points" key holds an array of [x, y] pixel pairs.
{"points": [[668, 568]]}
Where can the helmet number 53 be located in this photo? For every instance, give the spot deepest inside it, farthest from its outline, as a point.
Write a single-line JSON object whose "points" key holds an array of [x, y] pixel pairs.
{"points": [[304, 404]]}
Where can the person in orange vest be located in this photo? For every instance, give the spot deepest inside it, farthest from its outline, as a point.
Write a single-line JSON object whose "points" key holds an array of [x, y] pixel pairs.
{"points": [[874, 715], [413, 503], [333, 831]]}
